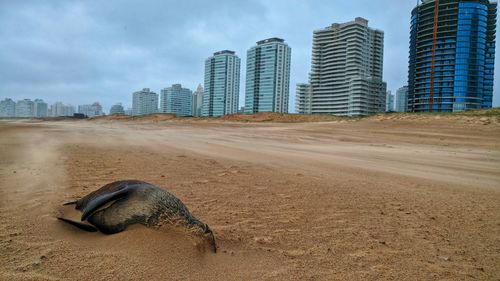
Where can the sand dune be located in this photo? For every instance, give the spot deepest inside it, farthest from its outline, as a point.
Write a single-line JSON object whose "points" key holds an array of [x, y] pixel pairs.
{"points": [[392, 198]]}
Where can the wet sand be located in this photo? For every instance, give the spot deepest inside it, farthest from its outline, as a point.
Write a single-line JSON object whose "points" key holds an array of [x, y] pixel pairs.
{"points": [[371, 199]]}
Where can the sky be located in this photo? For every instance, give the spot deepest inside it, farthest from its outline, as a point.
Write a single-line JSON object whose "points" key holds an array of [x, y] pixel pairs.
{"points": [[79, 52]]}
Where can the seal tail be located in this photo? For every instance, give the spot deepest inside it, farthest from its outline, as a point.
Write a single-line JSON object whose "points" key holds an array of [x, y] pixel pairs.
{"points": [[82, 226]]}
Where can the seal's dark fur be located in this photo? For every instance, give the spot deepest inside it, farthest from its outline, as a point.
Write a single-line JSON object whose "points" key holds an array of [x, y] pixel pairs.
{"points": [[115, 206]]}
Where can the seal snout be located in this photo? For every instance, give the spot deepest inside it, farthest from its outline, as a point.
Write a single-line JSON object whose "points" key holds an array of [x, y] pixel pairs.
{"points": [[209, 236]]}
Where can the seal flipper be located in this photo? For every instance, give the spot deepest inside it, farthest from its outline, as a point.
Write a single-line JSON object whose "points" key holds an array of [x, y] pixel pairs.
{"points": [[70, 203], [82, 226], [103, 200]]}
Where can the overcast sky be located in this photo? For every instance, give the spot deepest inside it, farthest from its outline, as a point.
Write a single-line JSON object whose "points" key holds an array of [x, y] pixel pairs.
{"points": [[79, 52]]}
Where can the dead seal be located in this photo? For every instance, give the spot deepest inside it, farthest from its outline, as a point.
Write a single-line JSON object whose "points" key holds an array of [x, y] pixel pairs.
{"points": [[115, 206]]}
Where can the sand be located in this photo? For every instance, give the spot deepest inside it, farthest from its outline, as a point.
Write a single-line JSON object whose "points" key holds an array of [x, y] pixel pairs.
{"points": [[390, 197]]}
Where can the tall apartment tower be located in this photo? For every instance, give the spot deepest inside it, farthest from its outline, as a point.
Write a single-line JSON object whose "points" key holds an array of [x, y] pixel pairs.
{"points": [[144, 102], [401, 101], [346, 71], [197, 101], [389, 102], [176, 100], [222, 84], [303, 99], [452, 55], [268, 77]]}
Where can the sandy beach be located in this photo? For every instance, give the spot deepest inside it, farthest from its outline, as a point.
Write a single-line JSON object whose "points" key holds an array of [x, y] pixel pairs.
{"points": [[379, 198]]}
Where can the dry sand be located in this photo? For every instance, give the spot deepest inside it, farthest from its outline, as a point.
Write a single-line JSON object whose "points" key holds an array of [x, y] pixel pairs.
{"points": [[383, 198]]}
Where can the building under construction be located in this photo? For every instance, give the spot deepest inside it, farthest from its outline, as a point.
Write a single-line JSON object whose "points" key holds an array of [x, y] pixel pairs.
{"points": [[452, 55]]}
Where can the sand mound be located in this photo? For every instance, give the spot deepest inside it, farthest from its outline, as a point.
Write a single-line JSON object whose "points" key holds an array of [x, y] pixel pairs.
{"points": [[480, 117], [281, 117], [152, 117], [473, 117]]}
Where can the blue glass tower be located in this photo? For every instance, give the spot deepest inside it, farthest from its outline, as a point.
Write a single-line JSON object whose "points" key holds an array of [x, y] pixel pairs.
{"points": [[268, 77], [452, 54], [222, 84]]}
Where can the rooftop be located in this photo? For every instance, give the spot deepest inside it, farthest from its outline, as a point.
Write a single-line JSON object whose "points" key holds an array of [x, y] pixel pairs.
{"points": [[269, 40], [224, 52]]}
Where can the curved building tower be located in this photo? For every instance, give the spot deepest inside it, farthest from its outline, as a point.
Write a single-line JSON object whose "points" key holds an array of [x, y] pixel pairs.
{"points": [[452, 54], [346, 71]]}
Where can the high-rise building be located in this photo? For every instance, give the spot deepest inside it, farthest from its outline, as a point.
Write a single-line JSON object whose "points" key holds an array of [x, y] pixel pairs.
{"points": [[7, 108], [389, 102], [401, 103], [25, 108], [40, 108], [57, 109], [346, 71], [268, 77], [197, 101], [303, 99], [222, 84], [69, 110], [144, 102], [91, 110], [452, 55], [117, 109], [176, 100]]}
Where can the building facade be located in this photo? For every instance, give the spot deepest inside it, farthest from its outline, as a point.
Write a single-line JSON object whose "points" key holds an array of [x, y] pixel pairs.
{"points": [[389, 102], [41, 108], [8, 108], [91, 110], [117, 109], [268, 77], [303, 99], [25, 108], [197, 101], [144, 102], [177, 100], [58, 109], [452, 54], [222, 84], [346, 70], [401, 101]]}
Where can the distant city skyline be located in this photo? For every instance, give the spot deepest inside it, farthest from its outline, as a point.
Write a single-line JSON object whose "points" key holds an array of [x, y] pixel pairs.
{"points": [[81, 52]]}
